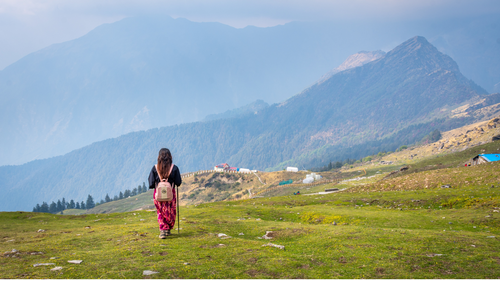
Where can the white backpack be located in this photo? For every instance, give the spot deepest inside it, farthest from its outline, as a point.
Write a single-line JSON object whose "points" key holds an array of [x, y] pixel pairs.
{"points": [[164, 188]]}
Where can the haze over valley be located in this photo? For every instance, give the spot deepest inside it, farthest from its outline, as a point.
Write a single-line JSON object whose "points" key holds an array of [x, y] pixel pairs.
{"points": [[154, 71]]}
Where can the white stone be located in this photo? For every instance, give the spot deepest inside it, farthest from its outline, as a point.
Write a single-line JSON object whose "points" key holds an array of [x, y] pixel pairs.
{"points": [[40, 264], [274, 245], [75, 261], [56, 268], [149, 272], [41, 230]]}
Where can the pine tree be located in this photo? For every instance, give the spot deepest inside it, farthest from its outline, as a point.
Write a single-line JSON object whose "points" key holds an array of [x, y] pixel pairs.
{"points": [[107, 198], [77, 206], [53, 208], [82, 206], [72, 204], [34, 210], [126, 194], [44, 208], [90, 202], [115, 198], [64, 204], [102, 201], [134, 192], [59, 206], [144, 188], [121, 195], [38, 208]]}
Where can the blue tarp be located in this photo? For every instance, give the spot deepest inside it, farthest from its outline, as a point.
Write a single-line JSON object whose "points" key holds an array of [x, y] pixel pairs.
{"points": [[491, 157]]}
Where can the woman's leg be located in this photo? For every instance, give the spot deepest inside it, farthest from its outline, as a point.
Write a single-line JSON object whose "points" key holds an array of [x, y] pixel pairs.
{"points": [[166, 212], [171, 211]]}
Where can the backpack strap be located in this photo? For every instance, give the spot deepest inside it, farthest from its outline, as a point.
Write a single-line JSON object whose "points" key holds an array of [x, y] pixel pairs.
{"points": [[171, 167]]}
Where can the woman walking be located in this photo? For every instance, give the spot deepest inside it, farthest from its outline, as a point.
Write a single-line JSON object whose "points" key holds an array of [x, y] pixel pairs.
{"points": [[166, 210]]}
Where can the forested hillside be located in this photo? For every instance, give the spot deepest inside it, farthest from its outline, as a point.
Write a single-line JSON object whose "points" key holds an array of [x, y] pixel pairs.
{"points": [[383, 104]]}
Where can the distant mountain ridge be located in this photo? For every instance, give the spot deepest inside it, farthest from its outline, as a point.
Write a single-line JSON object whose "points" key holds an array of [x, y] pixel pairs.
{"points": [[382, 104], [122, 77], [355, 60], [146, 72]]}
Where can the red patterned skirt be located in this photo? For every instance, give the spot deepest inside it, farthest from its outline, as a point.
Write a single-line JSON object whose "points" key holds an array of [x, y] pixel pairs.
{"points": [[166, 212]]}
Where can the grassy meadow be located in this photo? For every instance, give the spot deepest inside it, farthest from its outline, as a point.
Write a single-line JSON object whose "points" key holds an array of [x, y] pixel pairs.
{"points": [[383, 234]]}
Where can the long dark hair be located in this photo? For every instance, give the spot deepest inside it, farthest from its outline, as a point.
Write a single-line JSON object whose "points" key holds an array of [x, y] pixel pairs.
{"points": [[164, 163]]}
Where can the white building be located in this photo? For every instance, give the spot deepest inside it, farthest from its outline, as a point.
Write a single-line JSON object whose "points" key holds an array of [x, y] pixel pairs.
{"points": [[292, 169]]}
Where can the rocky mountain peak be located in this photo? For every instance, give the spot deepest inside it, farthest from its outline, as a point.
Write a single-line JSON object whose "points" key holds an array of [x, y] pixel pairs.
{"points": [[420, 54]]}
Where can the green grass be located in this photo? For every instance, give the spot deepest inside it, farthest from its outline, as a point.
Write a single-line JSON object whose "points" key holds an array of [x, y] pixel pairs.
{"points": [[378, 235], [450, 160]]}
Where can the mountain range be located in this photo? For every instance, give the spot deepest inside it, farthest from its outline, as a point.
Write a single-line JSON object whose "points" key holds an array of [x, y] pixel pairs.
{"points": [[395, 99], [155, 71]]}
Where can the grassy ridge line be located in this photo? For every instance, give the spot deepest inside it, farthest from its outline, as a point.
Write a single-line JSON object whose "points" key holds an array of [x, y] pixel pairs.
{"points": [[140, 201], [372, 239]]}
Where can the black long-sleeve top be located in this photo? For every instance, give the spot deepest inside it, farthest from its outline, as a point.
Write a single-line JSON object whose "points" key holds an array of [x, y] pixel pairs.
{"points": [[173, 178]]}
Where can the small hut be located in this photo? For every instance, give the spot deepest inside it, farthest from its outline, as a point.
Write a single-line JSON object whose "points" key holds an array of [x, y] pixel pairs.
{"points": [[485, 158]]}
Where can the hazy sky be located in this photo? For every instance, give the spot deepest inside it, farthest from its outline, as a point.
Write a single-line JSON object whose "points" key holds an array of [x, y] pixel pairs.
{"points": [[29, 25]]}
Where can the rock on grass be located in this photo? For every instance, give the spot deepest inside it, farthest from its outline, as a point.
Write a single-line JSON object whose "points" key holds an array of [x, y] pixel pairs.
{"points": [[149, 272]]}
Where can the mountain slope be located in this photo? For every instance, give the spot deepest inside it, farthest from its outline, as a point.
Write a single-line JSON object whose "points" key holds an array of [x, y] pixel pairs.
{"points": [[395, 99], [353, 61], [251, 108], [146, 72]]}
